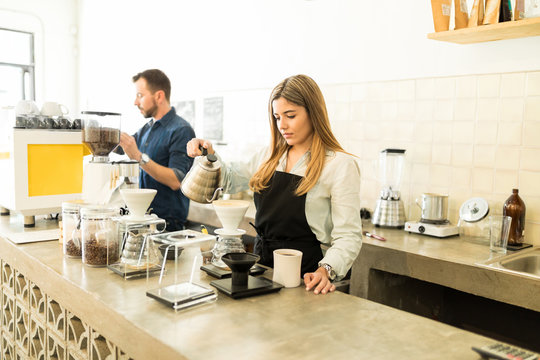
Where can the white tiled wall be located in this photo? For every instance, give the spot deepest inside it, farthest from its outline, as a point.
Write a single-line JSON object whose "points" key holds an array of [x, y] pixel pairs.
{"points": [[466, 136]]}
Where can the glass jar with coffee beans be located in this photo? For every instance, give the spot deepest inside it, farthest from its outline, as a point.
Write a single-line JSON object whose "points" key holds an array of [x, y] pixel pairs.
{"points": [[100, 244], [71, 228]]}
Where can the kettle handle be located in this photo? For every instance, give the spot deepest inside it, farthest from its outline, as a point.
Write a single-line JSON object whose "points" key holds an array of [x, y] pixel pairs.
{"points": [[203, 150], [210, 157]]}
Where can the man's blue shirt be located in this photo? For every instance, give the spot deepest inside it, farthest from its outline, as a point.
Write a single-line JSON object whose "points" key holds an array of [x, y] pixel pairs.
{"points": [[165, 143]]}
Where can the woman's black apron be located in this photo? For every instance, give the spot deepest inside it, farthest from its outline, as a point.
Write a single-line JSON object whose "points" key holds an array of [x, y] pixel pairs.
{"points": [[281, 223]]}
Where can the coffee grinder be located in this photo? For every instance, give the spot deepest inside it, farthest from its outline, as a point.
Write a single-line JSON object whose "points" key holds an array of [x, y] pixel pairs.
{"points": [[101, 134], [389, 211]]}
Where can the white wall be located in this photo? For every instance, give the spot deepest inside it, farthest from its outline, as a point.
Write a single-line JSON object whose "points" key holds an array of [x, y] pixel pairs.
{"points": [[385, 83], [54, 23], [214, 46]]}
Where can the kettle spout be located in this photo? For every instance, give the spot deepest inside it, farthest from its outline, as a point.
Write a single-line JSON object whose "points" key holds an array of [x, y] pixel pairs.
{"points": [[216, 194]]}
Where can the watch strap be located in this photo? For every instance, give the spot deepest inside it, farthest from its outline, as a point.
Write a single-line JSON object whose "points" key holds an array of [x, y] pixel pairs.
{"points": [[329, 270], [144, 159]]}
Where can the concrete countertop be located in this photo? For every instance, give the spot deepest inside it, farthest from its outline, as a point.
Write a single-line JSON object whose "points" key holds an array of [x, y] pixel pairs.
{"points": [[451, 262], [290, 324]]}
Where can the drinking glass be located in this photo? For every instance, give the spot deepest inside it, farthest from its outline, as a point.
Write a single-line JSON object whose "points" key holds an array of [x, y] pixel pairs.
{"points": [[499, 228]]}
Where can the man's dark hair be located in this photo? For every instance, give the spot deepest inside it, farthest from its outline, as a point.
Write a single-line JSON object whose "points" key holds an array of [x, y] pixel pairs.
{"points": [[156, 80]]}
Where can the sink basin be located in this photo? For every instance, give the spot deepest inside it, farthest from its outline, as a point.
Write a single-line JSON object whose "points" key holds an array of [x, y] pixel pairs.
{"points": [[525, 262]]}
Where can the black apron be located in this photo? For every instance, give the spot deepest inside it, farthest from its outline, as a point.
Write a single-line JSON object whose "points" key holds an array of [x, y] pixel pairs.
{"points": [[280, 222]]}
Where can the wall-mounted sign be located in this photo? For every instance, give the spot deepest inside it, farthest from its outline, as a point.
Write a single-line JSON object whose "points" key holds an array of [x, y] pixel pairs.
{"points": [[213, 118], [186, 110]]}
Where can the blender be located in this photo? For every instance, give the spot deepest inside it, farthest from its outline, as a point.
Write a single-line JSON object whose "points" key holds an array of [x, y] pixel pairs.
{"points": [[101, 134], [389, 211]]}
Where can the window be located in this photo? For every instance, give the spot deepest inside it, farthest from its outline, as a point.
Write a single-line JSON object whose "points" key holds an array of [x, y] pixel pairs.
{"points": [[17, 67]]}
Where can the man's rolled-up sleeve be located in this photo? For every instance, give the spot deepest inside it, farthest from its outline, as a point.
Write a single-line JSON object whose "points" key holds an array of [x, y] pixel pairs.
{"points": [[179, 161]]}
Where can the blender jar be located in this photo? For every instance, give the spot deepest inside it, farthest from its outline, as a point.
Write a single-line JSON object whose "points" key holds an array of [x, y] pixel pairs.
{"points": [[390, 170], [100, 243]]}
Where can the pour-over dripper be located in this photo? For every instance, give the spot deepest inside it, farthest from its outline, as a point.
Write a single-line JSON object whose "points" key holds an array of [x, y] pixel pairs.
{"points": [[230, 212], [100, 133], [138, 200], [240, 263]]}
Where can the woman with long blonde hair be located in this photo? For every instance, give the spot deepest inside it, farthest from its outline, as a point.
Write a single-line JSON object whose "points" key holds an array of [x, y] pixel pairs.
{"points": [[306, 187]]}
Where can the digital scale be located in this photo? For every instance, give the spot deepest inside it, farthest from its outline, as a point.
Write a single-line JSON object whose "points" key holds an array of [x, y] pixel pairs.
{"points": [[436, 230]]}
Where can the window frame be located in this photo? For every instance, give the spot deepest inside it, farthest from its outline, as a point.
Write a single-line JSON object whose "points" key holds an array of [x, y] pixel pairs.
{"points": [[27, 69]]}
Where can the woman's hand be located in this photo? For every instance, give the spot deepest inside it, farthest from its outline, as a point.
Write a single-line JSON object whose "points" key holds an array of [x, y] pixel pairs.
{"points": [[193, 147], [319, 278]]}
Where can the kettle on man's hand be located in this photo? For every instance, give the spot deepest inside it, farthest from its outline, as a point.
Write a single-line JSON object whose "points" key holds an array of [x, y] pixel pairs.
{"points": [[201, 183]]}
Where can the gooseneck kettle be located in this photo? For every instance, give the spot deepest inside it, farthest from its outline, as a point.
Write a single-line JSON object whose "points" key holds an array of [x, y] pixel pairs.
{"points": [[201, 183]]}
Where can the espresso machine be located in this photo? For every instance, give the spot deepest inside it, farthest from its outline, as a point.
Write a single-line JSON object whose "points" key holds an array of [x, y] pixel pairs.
{"points": [[389, 211], [101, 134]]}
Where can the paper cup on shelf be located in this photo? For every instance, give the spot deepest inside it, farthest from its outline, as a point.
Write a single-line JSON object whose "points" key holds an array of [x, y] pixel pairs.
{"points": [[287, 264]]}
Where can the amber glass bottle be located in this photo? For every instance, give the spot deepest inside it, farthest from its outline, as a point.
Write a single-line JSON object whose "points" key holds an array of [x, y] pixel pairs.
{"points": [[515, 208]]}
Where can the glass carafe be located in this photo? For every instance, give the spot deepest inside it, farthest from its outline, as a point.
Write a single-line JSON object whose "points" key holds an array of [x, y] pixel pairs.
{"points": [[226, 244]]}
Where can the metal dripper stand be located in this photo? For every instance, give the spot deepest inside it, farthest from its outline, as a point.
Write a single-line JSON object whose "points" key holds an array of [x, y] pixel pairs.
{"points": [[101, 134], [139, 255], [389, 211]]}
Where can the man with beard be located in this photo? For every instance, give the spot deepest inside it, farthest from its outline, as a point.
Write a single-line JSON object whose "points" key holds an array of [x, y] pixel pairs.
{"points": [[160, 147]]}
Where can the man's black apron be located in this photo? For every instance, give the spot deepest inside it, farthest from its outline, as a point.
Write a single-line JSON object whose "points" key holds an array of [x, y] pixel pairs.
{"points": [[281, 223]]}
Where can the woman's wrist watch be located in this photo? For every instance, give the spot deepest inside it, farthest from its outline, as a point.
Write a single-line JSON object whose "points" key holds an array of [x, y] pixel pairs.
{"points": [[144, 159], [329, 270]]}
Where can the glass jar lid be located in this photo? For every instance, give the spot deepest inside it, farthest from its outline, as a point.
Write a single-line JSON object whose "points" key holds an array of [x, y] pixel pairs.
{"points": [[474, 209], [98, 212], [72, 205]]}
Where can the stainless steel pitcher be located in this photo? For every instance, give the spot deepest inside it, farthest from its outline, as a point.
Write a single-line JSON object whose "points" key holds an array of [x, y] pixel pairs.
{"points": [[434, 207], [201, 183]]}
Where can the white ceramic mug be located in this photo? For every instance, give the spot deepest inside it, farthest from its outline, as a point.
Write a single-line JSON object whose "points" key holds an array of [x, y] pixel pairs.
{"points": [[287, 264], [51, 108], [26, 107]]}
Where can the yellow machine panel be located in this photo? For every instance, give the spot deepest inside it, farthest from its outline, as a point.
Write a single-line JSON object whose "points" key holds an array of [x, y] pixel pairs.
{"points": [[55, 169]]}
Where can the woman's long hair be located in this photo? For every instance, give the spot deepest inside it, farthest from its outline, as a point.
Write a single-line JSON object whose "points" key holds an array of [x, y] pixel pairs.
{"points": [[300, 90]]}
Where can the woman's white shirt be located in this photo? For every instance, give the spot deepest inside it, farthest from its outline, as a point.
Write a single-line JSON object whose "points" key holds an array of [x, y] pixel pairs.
{"points": [[332, 205]]}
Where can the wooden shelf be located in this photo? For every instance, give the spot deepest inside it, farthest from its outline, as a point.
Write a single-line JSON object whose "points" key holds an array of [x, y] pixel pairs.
{"points": [[483, 33]]}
